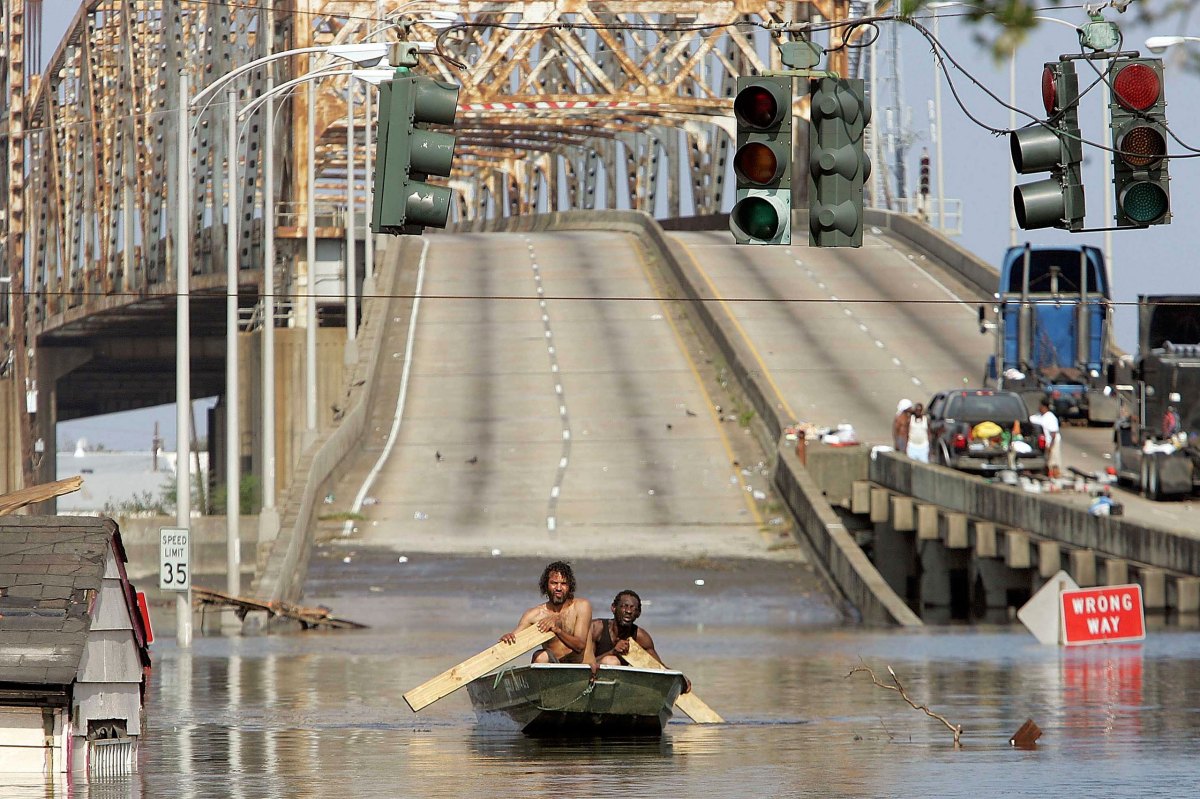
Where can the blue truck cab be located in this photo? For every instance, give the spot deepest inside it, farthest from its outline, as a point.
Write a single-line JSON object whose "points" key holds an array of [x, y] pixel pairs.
{"points": [[1053, 320]]}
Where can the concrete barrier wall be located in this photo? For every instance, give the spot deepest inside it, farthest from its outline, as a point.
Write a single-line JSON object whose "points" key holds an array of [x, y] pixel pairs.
{"points": [[209, 536], [1040, 514], [286, 566]]}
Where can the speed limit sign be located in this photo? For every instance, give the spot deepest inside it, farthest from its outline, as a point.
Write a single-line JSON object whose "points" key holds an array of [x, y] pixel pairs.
{"points": [[174, 571]]}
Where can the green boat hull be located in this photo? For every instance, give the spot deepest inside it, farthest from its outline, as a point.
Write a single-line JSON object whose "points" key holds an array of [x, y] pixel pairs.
{"points": [[562, 699]]}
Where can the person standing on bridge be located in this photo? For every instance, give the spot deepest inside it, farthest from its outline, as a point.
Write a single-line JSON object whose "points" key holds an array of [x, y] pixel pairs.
{"points": [[918, 434], [1049, 424], [900, 425]]}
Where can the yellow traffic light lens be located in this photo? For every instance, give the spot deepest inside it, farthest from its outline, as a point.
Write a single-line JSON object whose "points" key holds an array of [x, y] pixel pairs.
{"points": [[1142, 147], [756, 163], [757, 217], [757, 107]]}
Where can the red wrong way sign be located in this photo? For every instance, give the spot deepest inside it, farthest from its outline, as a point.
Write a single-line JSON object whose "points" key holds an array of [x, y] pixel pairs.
{"points": [[1103, 615]]}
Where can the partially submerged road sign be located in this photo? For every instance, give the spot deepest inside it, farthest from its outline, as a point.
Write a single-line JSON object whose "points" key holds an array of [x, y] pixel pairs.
{"points": [[1042, 614], [1103, 615]]}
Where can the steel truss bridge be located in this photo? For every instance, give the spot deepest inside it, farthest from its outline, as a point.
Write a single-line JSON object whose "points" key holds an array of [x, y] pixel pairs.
{"points": [[564, 104]]}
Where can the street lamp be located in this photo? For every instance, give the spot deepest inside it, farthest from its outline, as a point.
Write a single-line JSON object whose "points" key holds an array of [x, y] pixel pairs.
{"points": [[365, 53], [1158, 44]]}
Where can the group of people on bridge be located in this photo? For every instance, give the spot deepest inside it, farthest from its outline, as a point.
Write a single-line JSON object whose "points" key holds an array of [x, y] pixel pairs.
{"points": [[578, 637]]}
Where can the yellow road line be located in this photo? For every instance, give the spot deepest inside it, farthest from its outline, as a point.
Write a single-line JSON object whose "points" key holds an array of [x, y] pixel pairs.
{"points": [[712, 410], [762, 367]]}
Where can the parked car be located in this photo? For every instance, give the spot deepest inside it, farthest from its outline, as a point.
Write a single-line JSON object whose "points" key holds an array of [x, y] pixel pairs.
{"points": [[959, 439]]}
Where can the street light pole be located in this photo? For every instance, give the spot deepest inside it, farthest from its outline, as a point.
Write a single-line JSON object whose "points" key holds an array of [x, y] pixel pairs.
{"points": [[183, 377], [937, 126], [351, 243], [268, 521], [310, 306], [233, 561]]}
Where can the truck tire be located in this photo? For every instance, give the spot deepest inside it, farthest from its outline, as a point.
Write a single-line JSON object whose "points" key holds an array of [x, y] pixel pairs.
{"points": [[1153, 490]]}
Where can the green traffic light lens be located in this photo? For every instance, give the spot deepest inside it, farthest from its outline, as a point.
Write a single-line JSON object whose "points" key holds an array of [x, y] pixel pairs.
{"points": [[757, 217], [1144, 202]]}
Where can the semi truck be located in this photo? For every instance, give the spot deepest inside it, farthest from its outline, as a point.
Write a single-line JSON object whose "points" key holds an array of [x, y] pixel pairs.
{"points": [[1053, 319], [1156, 443]]}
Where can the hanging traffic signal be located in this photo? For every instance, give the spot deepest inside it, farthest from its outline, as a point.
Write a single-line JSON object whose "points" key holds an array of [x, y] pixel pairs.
{"points": [[407, 153], [838, 166], [1054, 146], [1139, 140], [762, 165]]}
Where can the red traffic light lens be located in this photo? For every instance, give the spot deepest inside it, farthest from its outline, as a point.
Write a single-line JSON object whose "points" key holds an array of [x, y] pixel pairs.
{"points": [[1049, 91], [1142, 146], [757, 107], [756, 163], [1137, 87]]}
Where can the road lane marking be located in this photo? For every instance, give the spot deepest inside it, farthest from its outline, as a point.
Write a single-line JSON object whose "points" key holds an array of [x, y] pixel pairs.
{"points": [[398, 414]]}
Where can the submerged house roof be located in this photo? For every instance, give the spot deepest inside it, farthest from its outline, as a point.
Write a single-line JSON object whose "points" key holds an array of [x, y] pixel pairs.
{"points": [[51, 572]]}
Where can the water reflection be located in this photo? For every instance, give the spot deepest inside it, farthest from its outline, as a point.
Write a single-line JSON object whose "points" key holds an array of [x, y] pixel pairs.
{"points": [[323, 714]]}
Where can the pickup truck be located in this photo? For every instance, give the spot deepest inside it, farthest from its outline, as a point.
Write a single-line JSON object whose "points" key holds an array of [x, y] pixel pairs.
{"points": [[954, 416]]}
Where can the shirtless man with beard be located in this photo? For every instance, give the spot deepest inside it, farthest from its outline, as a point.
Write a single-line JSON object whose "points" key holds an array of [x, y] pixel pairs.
{"points": [[570, 619]]}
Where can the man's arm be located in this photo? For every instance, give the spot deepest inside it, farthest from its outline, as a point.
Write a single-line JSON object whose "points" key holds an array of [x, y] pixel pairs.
{"points": [[646, 642], [527, 618]]}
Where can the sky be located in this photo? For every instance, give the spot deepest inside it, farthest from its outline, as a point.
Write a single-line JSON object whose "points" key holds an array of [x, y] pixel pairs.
{"points": [[976, 171]]}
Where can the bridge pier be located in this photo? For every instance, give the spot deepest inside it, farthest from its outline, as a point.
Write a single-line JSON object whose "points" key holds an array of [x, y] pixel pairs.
{"points": [[950, 565]]}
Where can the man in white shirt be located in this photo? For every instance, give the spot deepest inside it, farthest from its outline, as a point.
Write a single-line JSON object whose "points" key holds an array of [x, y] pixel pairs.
{"points": [[918, 434], [1049, 424]]}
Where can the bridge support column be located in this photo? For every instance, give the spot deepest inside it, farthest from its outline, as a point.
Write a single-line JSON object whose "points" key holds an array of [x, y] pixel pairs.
{"points": [[956, 531], [927, 522], [1016, 549], [52, 364], [879, 505], [1187, 594], [1154, 588], [1083, 567], [1116, 572], [1049, 559], [992, 584], [985, 540], [860, 498], [903, 517]]}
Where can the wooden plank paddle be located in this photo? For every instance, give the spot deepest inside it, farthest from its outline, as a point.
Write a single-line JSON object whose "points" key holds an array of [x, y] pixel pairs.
{"points": [[689, 703], [493, 657]]}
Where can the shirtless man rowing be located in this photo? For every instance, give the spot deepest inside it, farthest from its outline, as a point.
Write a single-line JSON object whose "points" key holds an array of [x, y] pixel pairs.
{"points": [[568, 618]]}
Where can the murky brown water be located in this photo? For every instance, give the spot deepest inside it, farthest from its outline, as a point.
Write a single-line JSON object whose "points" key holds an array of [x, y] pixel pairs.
{"points": [[322, 714]]}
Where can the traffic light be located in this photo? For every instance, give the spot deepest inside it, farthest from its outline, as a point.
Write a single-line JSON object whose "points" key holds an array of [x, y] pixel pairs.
{"points": [[1139, 140], [762, 165], [407, 153], [1052, 146], [924, 174], [838, 166]]}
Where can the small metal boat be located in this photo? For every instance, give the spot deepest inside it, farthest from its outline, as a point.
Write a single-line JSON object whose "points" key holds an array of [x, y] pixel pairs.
{"points": [[562, 699]]}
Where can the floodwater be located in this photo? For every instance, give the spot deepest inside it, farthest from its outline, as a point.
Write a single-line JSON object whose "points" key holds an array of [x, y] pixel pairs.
{"points": [[321, 713]]}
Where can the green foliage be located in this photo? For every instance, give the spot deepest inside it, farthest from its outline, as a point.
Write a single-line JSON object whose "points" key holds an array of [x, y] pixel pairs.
{"points": [[1004, 24], [248, 496], [141, 504]]}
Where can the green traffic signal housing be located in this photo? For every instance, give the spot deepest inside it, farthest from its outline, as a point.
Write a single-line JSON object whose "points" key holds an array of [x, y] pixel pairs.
{"points": [[408, 152], [838, 165], [762, 164], [1053, 146], [1139, 141]]}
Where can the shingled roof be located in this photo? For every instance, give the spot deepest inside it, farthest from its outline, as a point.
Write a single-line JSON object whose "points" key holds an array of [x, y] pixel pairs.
{"points": [[50, 569]]}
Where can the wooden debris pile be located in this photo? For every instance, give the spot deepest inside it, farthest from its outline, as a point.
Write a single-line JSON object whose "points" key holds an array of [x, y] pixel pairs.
{"points": [[307, 616]]}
